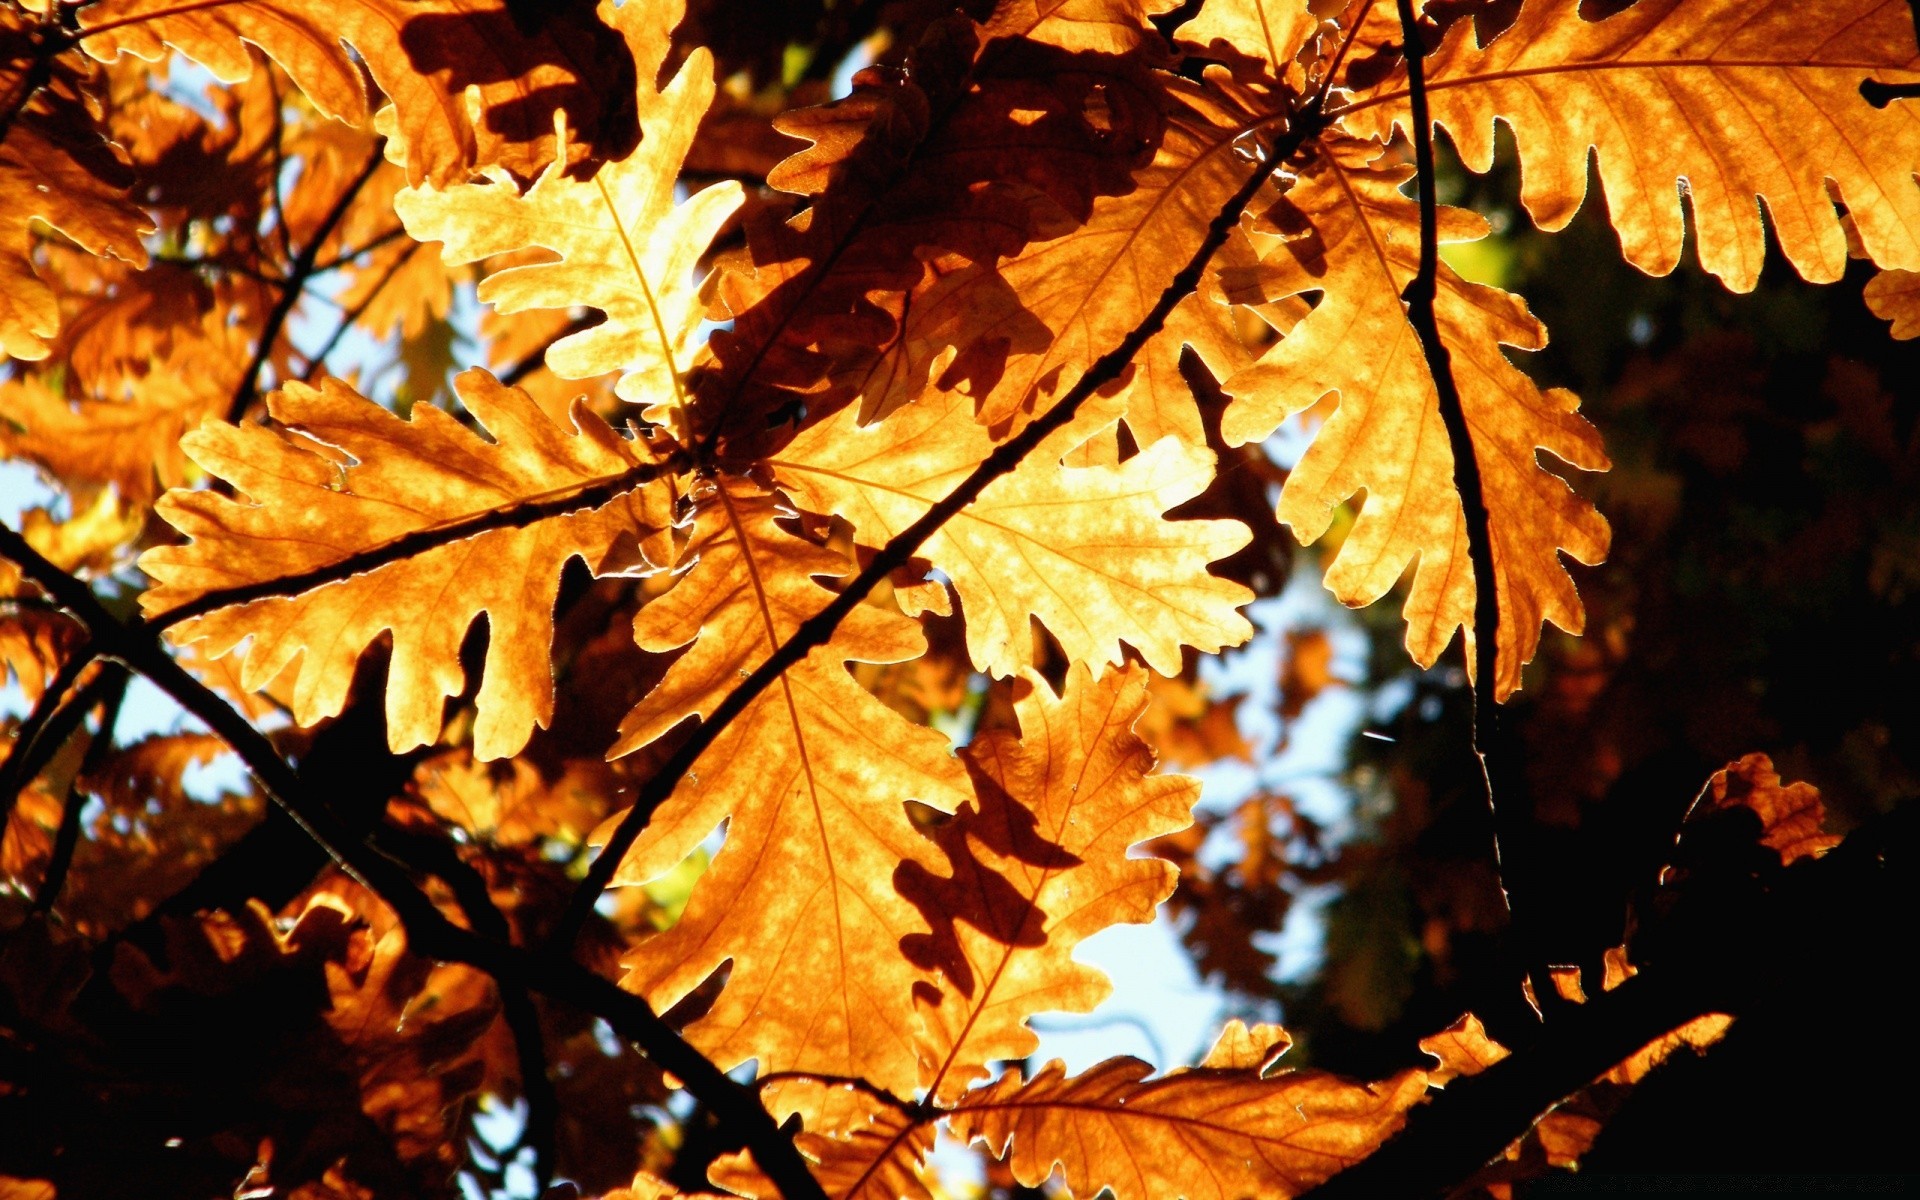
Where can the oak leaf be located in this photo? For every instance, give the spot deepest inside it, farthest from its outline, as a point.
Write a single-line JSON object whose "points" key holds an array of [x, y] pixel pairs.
{"points": [[526, 65], [321, 551], [619, 242], [128, 434], [56, 170], [1360, 247], [1202, 1134], [997, 133], [1734, 100], [1036, 864], [1895, 296], [1086, 550], [812, 781], [1790, 815]]}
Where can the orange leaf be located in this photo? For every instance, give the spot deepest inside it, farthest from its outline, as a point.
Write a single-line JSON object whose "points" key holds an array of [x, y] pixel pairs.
{"points": [[526, 65], [813, 781], [1360, 247], [1085, 549], [310, 514], [1895, 296], [1204, 1134], [1732, 99], [1038, 863], [623, 245]]}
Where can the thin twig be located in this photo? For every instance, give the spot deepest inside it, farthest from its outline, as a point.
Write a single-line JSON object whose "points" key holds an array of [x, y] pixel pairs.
{"points": [[371, 244], [434, 856], [817, 629], [295, 286], [1505, 790], [347, 318], [112, 686], [429, 932], [22, 763]]}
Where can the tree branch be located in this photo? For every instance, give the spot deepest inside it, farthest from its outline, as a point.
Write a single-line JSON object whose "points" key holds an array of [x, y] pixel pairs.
{"points": [[1728, 957], [818, 629], [1505, 788], [111, 687], [48, 723], [293, 288], [429, 932]]}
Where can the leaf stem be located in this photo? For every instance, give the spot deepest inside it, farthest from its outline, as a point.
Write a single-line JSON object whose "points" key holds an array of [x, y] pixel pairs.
{"points": [[819, 628]]}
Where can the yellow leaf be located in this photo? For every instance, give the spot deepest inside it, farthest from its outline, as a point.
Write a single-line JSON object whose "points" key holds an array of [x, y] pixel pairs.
{"points": [[1087, 550], [1204, 1134], [71, 180], [623, 246], [812, 780], [1730, 100], [310, 513], [425, 55], [1895, 296], [1386, 436], [1038, 863]]}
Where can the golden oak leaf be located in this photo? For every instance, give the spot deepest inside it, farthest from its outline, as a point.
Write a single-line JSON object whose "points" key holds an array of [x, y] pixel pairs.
{"points": [[1462, 1048], [128, 437], [310, 514], [56, 170], [1386, 434], [812, 780], [33, 644], [35, 640], [1202, 1134], [1243, 1048], [1790, 814], [1087, 550], [876, 1154], [1268, 33], [1089, 282], [525, 66], [623, 245], [996, 133], [1038, 863], [1895, 296], [510, 804], [1731, 99]]}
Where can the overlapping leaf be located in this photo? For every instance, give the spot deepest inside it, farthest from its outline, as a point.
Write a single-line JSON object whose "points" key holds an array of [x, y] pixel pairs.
{"points": [[1724, 101], [1895, 296], [1359, 245], [1037, 864], [1087, 550], [526, 64], [1210, 1133], [997, 134], [55, 169], [623, 246], [356, 481], [813, 781]]}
